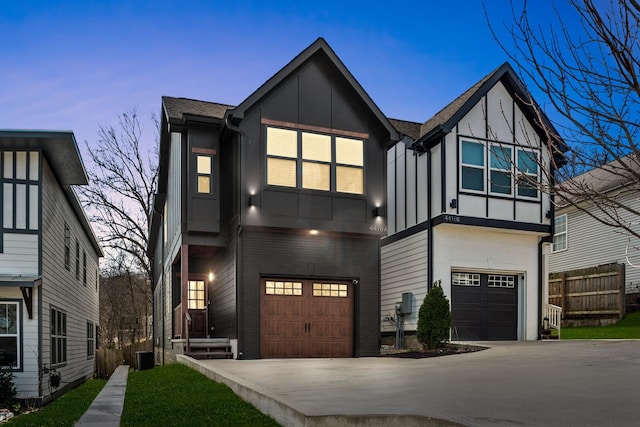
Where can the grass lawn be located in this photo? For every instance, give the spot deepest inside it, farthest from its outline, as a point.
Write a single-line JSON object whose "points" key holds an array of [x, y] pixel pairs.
{"points": [[65, 410], [176, 395], [627, 328]]}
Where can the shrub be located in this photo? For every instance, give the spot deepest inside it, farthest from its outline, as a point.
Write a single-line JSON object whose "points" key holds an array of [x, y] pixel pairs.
{"points": [[7, 387], [434, 318]]}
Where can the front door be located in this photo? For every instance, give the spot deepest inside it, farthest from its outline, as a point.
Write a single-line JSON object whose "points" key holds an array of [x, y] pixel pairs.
{"points": [[197, 309]]}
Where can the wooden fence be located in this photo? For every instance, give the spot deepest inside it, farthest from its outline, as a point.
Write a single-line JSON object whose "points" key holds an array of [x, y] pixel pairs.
{"points": [[108, 359], [591, 296]]}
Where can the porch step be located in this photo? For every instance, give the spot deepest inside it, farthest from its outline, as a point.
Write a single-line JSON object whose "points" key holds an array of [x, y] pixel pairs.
{"points": [[211, 354], [209, 348]]}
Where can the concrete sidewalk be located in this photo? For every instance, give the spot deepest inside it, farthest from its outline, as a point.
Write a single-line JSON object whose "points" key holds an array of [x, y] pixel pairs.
{"points": [[562, 383], [106, 409]]}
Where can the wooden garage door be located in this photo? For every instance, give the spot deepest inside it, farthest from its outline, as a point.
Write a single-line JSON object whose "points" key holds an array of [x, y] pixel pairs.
{"points": [[484, 306], [302, 318]]}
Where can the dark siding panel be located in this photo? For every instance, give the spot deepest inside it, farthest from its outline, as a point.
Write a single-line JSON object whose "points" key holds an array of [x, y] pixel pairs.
{"points": [[280, 203], [347, 109], [282, 103], [277, 253], [316, 206], [315, 94], [350, 209], [204, 210]]}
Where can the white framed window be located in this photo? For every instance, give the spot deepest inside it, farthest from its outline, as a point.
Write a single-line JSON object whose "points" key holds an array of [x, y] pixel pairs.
{"points": [[465, 279], [500, 281], [501, 166], [528, 173], [472, 166], [58, 337], [9, 334], [196, 295], [560, 233], [314, 161], [275, 287], [204, 171]]}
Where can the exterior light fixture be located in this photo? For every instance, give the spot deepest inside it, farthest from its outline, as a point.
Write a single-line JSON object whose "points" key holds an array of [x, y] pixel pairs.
{"points": [[454, 203], [376, 212], [251, 200], [313, 232], [211, 276]]}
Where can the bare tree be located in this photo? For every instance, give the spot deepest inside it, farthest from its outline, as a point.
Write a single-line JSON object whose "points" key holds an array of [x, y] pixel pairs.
{"points": [[585, 60], [119, 202]]}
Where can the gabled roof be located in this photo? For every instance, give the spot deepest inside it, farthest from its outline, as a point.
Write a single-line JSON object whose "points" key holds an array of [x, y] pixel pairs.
{"points": [[60, 150], [446, 119], [411, 129], [319, 46]]}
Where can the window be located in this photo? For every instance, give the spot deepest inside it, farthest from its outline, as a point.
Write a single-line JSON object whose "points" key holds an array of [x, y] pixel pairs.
{"points": [[84, 268], [465, 279], [77, 260], [472, 166], [67, 247], [499, 281], [58, 337], [527, 173], [91, 339], [330, 290], [196, 294], [204, 171], [20, 190], [309, 160], [283, 288], [560, 236], [9, 329], [501, 166]]}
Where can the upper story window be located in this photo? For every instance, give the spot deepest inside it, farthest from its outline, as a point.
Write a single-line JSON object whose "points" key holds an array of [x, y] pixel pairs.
{"points": [[507, 164], [501, 165], [67, 247], [560, 233], [314, 161], [77, 260], [84, 267], [204, 171], [473, 166]]}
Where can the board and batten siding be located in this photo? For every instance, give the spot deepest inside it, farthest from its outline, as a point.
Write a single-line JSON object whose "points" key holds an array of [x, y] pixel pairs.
{"points": [[174, 198], [407, 188], [61, 289], [590, 243], [404, 269]]}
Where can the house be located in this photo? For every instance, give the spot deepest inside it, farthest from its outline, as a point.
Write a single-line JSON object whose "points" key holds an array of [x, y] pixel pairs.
{"points": [[48, 265], [581, 241], [465, 208], [266, 233]]}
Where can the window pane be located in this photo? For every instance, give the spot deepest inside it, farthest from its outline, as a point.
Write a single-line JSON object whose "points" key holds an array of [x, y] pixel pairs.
{"points": [[21, 206], [527, 186], [316, 147], [316, 176], [7, 205], [472, 153], [8, 164], [281, 172], [204, 164], [12, 319], [500, 157], [501, 182], [33, 207], [282, 142], [349, 180], [204, 184], [9, 351], [34, 165], [21, 165], [473, 179], [528, 162], [349, 151], [561, 224]]}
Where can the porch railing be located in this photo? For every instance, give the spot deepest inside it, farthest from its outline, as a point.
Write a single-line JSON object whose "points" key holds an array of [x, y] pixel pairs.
{"points": [[553, 314]]}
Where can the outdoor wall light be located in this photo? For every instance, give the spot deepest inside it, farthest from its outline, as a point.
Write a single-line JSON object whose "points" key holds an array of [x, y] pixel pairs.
{"points": [[313, 232], [251, 200], [376, 212], [548, 214], [211, 276], [454, 203]]}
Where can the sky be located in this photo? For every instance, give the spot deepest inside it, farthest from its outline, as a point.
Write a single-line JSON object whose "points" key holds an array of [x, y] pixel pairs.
{"points": [[77, 65]]}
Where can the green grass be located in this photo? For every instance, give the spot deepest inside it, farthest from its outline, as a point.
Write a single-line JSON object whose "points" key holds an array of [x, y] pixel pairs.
{"points": [[65, 410], [176, 395], [627, 328]]}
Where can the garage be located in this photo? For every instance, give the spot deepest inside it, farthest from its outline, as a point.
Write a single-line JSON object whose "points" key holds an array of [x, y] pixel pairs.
{"points": [[484, 306], [306, 318]]}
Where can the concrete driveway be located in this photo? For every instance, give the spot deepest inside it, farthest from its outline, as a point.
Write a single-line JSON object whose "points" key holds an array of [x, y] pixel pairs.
{"points": [[565, 383]]}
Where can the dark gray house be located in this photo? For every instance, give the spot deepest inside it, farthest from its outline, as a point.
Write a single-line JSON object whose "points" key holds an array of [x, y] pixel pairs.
{"points": [[268, 217]]}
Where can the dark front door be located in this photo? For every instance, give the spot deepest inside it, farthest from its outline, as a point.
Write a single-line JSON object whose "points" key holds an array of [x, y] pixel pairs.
{"points": [[484, 306], [197, 309], [304, 318]]}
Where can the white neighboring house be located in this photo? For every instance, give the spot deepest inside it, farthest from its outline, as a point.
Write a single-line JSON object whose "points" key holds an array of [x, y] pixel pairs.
{"points": [[48, 265], [581, 241], [461, 211]]}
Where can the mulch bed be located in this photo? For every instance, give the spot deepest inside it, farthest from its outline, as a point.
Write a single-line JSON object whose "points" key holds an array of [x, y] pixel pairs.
{"points": [[446, 350]]}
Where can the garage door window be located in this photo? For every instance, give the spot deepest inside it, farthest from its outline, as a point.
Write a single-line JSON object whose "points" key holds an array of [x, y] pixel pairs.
{"points": [[273, 287], [330, 290], [465, 279], [497, 281]]}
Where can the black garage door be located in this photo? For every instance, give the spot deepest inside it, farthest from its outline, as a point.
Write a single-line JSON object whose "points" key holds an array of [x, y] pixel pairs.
{"points": [[484, 306]]}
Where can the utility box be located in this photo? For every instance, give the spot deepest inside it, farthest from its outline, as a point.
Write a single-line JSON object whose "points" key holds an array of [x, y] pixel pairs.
{"points": [[406, 307]]}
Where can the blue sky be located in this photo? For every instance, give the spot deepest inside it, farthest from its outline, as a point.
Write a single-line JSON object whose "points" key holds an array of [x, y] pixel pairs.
{"points": [[75, 65]]}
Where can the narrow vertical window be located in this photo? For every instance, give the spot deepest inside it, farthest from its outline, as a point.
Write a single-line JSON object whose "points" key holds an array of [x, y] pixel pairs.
{"points": [[67, 247], [91, 339], [316, 161], [204, 171], [77, 260], [84, 268], [349, 165], [560, 233], [58, 337], [501, 166], [528, 173], [282, 155], [473, 165], [165, 226]]}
